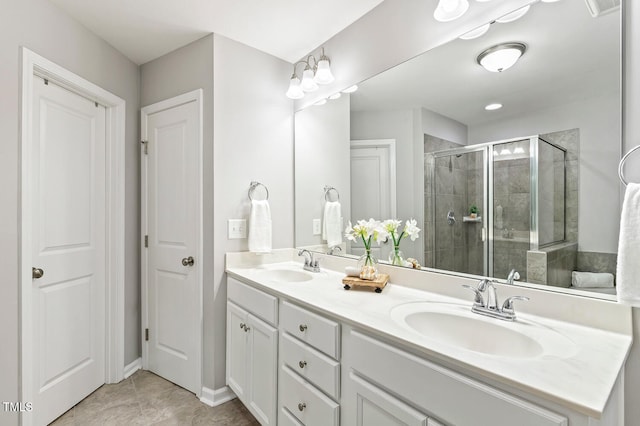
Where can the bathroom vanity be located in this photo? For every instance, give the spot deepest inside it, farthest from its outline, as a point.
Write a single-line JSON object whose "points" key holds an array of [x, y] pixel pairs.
{"points": [[303, 351]]}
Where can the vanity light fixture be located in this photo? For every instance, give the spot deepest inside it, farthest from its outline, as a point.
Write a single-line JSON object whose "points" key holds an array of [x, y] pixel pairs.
{"points": [[505, 151], [480, 31], [516, 14], [449, 10], [321, 102], [350, 89], [335, 96], [518, 150], [501, 56], [493, 107], [315, 72]]}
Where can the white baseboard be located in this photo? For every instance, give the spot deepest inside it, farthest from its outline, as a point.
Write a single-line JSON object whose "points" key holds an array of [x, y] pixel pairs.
{"points": [[216, 397], [132, 368]]}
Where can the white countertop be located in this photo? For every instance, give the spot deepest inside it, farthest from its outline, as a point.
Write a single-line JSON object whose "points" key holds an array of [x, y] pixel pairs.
{"points": [[581, 379]]}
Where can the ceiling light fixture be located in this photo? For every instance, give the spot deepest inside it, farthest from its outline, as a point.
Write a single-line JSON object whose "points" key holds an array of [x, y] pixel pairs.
{"points": [[480, 31], [493, 107], [350, 89], [315, 72], [501, 56], [516, 14], [448, 10], [335, 96]]}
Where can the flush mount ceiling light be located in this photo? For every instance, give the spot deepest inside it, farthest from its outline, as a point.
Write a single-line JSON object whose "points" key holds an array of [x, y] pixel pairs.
{"points": [[448, 10], [516, 14], [315, 72], [501, 56]]}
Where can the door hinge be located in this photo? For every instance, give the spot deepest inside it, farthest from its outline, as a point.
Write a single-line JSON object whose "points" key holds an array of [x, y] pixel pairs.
{"points": [[145, 146], [146, 334], [146, 241]]}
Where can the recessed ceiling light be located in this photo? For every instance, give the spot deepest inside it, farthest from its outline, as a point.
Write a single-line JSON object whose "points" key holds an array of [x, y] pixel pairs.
{"points": [[475, 33], [321, 102], [335, 96], [493, 107], [517, 14], [350, 89], [501, 57]]}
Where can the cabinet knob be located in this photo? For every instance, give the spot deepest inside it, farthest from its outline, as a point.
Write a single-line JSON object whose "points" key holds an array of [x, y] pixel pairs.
{"points": [[246, 328], [242, 325], [303, 327], [302, 406], [302, 364]]}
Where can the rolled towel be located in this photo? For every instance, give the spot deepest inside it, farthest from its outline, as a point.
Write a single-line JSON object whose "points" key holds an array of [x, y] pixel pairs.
{"points": [[591, 279], [332, 223], [260, 227], [628, 269]]}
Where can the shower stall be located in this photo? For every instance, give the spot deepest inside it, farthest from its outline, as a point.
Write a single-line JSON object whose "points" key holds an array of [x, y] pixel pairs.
{"points": [[488, 205]]}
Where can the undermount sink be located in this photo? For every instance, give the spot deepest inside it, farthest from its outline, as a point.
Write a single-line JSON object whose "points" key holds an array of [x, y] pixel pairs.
{"points": [[455, 325], [285, 275]]}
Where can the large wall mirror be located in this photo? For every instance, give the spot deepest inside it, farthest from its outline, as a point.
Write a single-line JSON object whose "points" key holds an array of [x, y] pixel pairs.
{"points": [[530, 187]]}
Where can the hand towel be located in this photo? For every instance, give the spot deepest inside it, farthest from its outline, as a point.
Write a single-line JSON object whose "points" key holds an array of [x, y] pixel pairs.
{"points": [[591, 279], [260, 227], [331, 225], [628, 268]]}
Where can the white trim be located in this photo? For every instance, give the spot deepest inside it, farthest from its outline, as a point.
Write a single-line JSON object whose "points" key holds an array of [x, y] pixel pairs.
{"points": [[193, 96], [131, 368], [34, 64], [216, 397], [389, 144]]}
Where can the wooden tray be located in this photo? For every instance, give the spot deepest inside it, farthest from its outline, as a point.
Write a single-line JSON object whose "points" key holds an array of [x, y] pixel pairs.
{"points": [[378, 284]]}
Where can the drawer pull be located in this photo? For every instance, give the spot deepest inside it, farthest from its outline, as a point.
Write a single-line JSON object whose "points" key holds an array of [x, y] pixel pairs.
{"points": [[302, 406], [242, 326], [302, 364], [303, 327]]}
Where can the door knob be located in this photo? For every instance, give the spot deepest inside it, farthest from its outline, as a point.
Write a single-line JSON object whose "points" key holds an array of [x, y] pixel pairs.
{"points": [[36, 273], [188, 261]]}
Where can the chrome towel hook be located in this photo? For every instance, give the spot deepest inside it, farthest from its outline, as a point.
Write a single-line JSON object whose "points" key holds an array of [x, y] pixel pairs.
{"points": [[621, 165], [252, 188]]}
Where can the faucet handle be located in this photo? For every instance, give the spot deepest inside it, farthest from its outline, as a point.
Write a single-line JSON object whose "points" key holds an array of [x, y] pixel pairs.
{"points": [[478, 300], [507, 306]]}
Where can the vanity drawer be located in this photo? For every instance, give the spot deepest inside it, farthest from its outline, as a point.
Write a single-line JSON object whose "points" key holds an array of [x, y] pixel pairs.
{"points": [[323, 371], [305, 402], [257, 302], [313, 329], [438, 390]]}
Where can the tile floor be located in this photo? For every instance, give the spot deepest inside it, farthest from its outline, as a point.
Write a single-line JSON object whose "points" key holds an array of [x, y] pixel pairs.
{"points": [[146, 399]]}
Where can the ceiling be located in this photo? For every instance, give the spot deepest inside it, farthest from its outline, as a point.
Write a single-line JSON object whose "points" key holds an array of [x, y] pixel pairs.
{"points": [[570, 56], [146, 29]]}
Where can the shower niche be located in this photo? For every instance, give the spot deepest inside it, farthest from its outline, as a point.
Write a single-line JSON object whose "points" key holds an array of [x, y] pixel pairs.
{"points": [[496, 207]]}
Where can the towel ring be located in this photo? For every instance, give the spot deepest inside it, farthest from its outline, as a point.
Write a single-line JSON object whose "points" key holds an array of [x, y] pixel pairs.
{"points": [[621, 165], [253, 186], [327, 190]]}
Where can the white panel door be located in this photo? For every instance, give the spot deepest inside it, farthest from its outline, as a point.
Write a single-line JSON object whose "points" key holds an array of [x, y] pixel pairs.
{"points": [[263, 370], [372, 188], [173, 229], [237, 347], [68, 231]]}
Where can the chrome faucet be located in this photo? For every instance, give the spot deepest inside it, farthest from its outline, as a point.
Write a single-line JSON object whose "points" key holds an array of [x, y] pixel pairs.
{"points": [[513, 276], [310, 264], [491, 307], [334, 249]]}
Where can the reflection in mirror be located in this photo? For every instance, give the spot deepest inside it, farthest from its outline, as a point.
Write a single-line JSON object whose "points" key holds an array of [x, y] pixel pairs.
{"points": [[530, 186]]}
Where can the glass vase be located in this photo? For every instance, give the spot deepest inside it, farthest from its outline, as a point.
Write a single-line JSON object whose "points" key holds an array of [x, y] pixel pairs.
{"points": [[368, 266], [396, 257]]}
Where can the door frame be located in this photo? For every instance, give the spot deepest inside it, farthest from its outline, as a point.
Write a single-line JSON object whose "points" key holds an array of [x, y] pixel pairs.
{"points": [[193, 96], [34, 64]]}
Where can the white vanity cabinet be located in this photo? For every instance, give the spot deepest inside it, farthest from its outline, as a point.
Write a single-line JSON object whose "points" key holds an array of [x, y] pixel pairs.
{"points": [[309, 374], [252, 349]]}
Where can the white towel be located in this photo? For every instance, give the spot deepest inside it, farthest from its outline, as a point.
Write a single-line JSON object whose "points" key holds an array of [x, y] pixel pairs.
{"points": [[260, 227], [591, 279], [331, 225], [628, 269]]}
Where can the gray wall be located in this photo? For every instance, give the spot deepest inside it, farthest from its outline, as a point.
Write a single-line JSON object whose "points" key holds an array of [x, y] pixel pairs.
{"points": [[43, 28], [253, 134], [181, 71]]}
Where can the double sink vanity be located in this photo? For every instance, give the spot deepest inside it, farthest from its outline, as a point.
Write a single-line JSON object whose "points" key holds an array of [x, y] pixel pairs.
{"points": [[303, 351]]}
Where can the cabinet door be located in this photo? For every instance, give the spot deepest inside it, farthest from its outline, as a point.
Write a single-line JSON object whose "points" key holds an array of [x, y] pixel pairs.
{"points": [[374, 407], [237, 345], [262, 364]]}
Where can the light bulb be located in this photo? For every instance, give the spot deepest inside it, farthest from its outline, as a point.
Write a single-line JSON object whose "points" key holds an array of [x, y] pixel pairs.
{"points": [[295, 91], [335, 96], [448, 10], [475, 33], [516, 14], [308, 84], [323, 73], [321, 102], [505, 151], [350, 89]]}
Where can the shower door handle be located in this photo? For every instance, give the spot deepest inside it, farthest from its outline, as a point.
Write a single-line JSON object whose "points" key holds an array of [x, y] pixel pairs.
{"points": [[451, 218], [484, 234]]}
